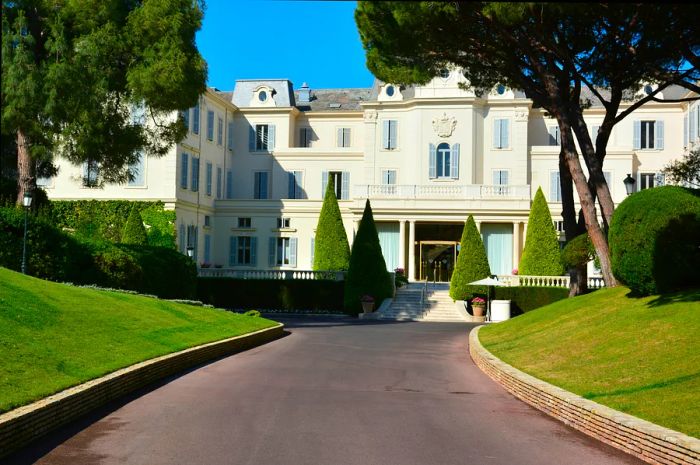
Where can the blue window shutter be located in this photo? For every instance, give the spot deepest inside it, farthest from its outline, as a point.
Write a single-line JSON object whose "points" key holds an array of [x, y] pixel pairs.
{"points": [[385, 134], [183, 171], [554, 187], [297, 180], [693, 122], [195, 119], [186, 117], [293, 252], [637, 141], [229, 184], [392, 177], [194, 182], [496, 178], [393, 134], [233, 251], [685, 131], [182, 238], [210, 125], [229, 135], [324, 184], [497, 133], [256, 185], [207, 248], [264, 185], [432, 161], [291, 182], [659, 135], [454, 162], [272, 251], [209, 173], [219, 175], [505, 126], [552, 135], [271, 137], [339, 138], [251, 139], [345, 187], [254, 251], [504, 178], [313, 246]]}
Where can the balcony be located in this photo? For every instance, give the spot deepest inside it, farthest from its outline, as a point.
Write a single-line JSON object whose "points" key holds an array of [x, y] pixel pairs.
{"points": [[442, 192]]}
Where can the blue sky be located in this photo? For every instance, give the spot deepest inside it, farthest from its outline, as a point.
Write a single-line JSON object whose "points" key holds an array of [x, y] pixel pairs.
{"points": [[312, 41]]}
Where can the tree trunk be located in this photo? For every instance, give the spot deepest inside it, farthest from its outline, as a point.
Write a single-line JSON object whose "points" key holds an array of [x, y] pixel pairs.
{"points": [[579, 281], [26, 169]]}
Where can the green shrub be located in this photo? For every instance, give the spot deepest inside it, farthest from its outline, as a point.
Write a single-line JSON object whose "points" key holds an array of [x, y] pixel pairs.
{"points": [[166, 272], [331, 248], [116, 268], [523, 299], [367, 274], [134, 232], [472, 264], [253, 313], [578, 252], [655, 240], [541, 256]]}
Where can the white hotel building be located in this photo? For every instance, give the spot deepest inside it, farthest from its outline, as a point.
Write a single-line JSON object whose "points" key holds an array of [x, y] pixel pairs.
{"points": [[247, 182]]}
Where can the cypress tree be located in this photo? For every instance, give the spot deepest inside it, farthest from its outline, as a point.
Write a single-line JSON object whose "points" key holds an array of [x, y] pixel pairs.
{"points": [[541, 256], [331, 248], [472, 262], [367, 274], [134, 232]]}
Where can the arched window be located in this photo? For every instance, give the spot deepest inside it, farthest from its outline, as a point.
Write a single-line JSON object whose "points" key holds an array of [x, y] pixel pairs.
{"points": [[443, 160]]}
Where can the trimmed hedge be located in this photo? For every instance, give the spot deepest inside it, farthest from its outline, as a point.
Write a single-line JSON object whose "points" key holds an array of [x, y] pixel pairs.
{"points": [[655, 240], [541, 255], [524, 299], [134, 232], [472, 264], [331, 248], [271, 294]]}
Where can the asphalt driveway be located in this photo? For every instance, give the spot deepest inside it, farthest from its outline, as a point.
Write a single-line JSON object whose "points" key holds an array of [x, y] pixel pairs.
{"points": [[333, 392]]}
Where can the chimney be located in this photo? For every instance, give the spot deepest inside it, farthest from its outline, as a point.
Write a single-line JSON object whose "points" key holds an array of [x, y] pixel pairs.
{"points": [[304, 93]]}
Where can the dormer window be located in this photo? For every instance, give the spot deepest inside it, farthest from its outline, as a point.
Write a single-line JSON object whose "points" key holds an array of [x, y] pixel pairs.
{"points": [[501, 89], [262, 96], [444, 73], [390, 91]]}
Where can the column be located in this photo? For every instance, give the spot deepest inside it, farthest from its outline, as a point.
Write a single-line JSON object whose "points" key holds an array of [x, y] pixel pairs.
{"points": [[402, 245], [516, 244], [411, 250]]}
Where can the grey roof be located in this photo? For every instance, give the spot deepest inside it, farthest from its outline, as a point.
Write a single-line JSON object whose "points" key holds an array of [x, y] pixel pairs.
{"points": [[226, 95], [334, 99], [407, 91], [243, 91], [669, 93]]}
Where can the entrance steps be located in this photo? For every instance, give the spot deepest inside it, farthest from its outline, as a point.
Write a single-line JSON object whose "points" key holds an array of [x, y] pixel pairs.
{"points": [[437, 306]]}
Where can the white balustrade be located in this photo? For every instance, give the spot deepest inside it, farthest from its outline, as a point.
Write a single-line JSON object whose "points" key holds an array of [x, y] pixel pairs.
{"points": [[270, 274], [544, 281], [441, 191]]}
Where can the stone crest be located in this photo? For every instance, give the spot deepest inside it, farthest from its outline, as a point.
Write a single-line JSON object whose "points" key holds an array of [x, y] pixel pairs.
{"points": [[370, 115], [521, 114], [444, 125]]}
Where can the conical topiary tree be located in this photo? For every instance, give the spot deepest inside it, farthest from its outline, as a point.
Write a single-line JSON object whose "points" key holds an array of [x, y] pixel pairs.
{"points": [[541, 256], [472, 263], [367, 274], [331, 248], [134, 232]]}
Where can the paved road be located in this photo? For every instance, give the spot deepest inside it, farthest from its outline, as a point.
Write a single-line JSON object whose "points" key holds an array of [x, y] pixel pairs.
{"points": [[333, 392]]}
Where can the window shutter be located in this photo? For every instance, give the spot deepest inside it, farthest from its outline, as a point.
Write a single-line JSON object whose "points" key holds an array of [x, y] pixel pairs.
{"points": [[256, 185], [272, 251], [685, 131], [229, 135], [291, 184], [297, 180], [207, 248], [393, 134], [496, 178], [183, 171], [432, 161], [552, 135], [195, 118], [339, 142], [293, 252], [265, 185], [693, 132], [345, 187], [497, 133], [251, 139], [324, 184], [229, 184], [194, 182], [504, 178], [392, 177], [659, 135], [608, 180], [254, 251], [346, 137], [233, 252], [271, 137], [505, 143], [637, 138], [454, 162], [182, 238], [554, 187], [186, 117], [218, 182], [313, 246], [385, 134]]}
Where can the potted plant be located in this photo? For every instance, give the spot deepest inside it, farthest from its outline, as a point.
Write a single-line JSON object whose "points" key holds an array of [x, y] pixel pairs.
{"points": [[478, 306], [367, 302]]}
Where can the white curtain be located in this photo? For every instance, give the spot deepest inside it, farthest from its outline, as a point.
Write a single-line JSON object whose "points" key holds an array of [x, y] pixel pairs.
{"points": [[498, 240], [389, 241]]}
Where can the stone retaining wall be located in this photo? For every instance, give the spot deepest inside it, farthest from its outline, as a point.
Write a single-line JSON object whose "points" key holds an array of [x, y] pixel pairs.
{"points": [[25, 424], [647, 441]]}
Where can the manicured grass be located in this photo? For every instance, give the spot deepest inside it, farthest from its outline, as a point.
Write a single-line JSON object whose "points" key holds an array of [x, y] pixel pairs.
{"points": [[637, 355], [53, 336]]}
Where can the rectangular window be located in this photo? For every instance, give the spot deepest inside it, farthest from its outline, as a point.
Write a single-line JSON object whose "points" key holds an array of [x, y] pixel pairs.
{"points": [[229, 184], [305, 137], [91, 171], [183, 170], [649, 180], [444, 159], [243, 251], [186, 118], [500, 178], [554, 187], [595, 129], [295, 185], [337, 182], [390, 134], [209, 177], [283, 223], [207, 248], [194, 184], [344, 137], [219, 131], [389, 177], [207, 221], [195, 119], [283, 251], [260, 185], [219, 174], [553, 135], [244, 222], [559, 226], [210, 125], [501, 139], [138, 171], [262, 135], [229, 136], [647, 135]]}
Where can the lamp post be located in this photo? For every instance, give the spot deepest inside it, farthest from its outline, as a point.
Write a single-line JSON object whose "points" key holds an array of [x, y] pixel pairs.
{"points": [[629, 184], [190, 251], [26, 202]]}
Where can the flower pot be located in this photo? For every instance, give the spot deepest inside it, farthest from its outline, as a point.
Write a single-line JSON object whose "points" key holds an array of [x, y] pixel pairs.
{"points": [[478, 310], [367, 307]]}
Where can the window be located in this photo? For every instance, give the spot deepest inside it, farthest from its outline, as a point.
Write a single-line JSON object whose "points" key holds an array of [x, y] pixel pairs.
{"points": [[244, 222], [444, 73], [262, 96], [243, 251], [181, 238], [138, 171], [343, 137], [195, 119], [389, 91], [229, 184], [219, 131], [207, 221], [183, 170], [260, 185], [553, 135], [388, 177], [262, 138], [595, 129], [186, 118], [192, 240], [559, 226], [210, 125], [500, 133], [283, 251], [501, 89], [500, 178], [194, 183], [229, 136], [91, 170], [554, 187], [209, 177], [443, 161], [305, 137], [389, 134], [207, 248], [648, 135], [295, 185], [649, 180], [283, 223], [694, 123], [340, 181], [219, 174]]}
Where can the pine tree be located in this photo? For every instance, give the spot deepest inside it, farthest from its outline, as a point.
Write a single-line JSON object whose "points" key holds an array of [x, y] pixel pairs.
{"points": [[331, 248], [541, 256], [472, 262], [367, 274], [134, 232]]}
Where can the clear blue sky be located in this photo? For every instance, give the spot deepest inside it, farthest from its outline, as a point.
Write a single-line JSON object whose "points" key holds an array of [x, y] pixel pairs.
{"points": [[312, 41]]}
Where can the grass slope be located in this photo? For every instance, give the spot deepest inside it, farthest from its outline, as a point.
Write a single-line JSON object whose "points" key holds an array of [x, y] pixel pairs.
{"points": [[54, 336], [637, 355]]}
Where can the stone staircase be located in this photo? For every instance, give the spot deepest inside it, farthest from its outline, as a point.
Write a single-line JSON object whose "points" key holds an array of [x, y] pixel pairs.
{"points": [[438, 305]]}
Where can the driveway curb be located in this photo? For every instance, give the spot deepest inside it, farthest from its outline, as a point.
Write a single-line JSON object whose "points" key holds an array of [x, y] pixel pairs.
{"points": [[645, 440], [25, 424]]}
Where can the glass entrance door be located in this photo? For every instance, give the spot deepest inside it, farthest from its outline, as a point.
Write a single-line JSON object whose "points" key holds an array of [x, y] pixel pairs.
{"points": [[437, 260]]}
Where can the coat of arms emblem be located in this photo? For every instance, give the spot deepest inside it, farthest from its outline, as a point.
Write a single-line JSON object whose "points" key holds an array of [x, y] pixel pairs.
{"points": [[444, 125]]}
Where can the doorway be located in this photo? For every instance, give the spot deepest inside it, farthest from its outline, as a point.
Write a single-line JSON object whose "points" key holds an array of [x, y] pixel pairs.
{"points": [[437, 260]]}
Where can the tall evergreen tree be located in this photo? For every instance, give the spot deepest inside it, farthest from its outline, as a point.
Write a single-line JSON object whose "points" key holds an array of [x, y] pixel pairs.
{"points": [[541, 256], [367, 274], [134, 231], [472, 262], [331, 248]]}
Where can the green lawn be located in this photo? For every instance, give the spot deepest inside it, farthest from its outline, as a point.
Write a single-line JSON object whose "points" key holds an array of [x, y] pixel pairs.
{"points": [[54, 336], [637, 355]]}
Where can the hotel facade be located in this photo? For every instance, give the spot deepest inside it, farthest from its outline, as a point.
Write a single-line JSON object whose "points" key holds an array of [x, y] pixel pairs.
{"points": [[248, 180]]}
